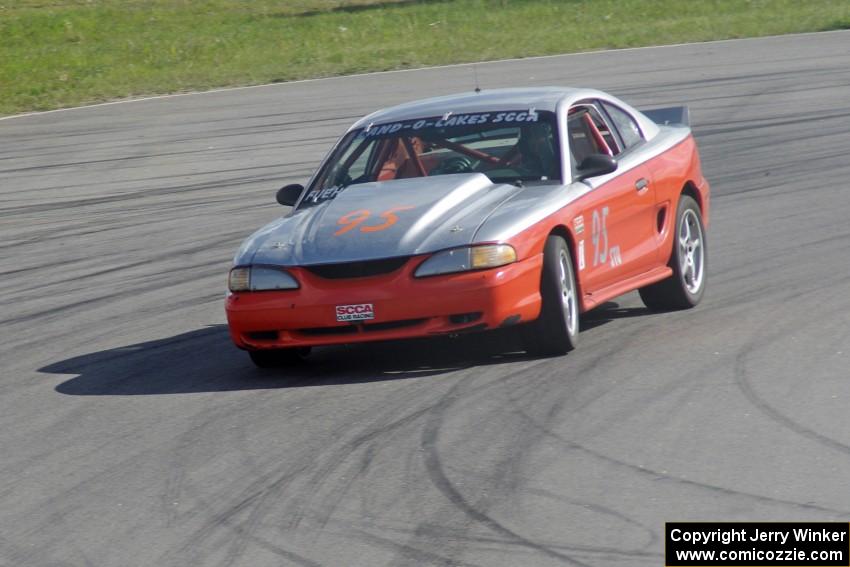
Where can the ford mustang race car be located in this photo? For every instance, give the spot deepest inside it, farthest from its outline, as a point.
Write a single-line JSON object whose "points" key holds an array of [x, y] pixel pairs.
{"points": [[512, 207]]}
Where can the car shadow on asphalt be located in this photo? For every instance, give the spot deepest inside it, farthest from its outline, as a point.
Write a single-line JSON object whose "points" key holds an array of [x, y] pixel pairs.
{"points": [[610, 311], [204, 360]]}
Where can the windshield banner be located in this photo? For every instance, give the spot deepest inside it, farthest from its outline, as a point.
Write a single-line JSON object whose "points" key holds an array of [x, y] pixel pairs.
{"points": [[449, 120]]}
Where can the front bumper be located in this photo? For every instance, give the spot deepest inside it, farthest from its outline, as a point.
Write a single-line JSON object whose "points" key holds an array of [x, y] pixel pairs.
{"points": [[404, 306]]}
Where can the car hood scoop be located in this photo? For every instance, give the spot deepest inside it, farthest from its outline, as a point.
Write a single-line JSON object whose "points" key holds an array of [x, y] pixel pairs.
{"points": [[380, 220]]}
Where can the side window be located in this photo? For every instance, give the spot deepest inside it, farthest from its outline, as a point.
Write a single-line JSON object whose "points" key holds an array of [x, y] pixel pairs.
{"points": [[589, 134], [625, 125], [358, 168], [352, 160], [604, 130], [580, 139]]}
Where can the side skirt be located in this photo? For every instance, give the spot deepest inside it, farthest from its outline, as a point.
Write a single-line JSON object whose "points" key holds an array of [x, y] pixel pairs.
{"points": [[597, 298]]}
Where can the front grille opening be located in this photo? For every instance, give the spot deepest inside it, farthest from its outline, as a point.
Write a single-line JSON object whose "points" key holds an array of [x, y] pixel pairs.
{"points": [[320, 331], [363, 269], [460, 318], [392, 325], [262, 335]]}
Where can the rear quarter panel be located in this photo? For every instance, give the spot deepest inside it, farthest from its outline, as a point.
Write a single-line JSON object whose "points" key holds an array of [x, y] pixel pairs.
{"points": [[672, 172]]}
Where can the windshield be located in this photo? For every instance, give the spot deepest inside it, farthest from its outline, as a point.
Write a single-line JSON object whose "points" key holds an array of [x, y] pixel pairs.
{"points": [[508, 147]]}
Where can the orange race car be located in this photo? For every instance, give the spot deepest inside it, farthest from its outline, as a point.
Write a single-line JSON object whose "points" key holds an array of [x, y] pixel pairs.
{"points": [[513, 207]]}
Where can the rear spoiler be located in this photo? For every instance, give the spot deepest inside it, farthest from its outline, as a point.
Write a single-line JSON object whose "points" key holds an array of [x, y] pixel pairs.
{"points": [[669, 115]]}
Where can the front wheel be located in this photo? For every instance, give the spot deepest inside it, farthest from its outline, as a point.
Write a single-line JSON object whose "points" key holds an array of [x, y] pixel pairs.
{"points": [[555, 332], [275, 358], [685, 287]]}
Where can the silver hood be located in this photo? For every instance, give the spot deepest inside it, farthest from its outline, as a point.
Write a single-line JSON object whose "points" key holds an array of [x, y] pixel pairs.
{"points": [[445, 211]]}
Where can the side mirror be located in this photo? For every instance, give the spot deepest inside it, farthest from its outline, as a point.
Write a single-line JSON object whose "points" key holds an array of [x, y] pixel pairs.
{"points": [[287, 196], [596, 164]]}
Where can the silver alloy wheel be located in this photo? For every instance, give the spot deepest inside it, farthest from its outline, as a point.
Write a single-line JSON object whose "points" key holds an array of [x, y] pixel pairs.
{"points": [[691, 251], [568, 296]]}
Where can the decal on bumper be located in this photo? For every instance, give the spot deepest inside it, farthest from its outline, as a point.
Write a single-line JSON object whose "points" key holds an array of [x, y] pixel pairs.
{"points": [[359, 312]]}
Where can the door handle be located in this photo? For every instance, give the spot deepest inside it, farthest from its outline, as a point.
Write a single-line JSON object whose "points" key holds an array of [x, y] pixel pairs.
{"points": [[641, 184]]}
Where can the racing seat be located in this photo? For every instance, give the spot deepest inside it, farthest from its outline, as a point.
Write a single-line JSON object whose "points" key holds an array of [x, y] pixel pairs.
{"points": [[400, 164]]}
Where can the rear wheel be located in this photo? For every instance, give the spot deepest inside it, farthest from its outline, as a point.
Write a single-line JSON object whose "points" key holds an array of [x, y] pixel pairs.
{"points": [[555, 332], [685, 287], [275, 358]]}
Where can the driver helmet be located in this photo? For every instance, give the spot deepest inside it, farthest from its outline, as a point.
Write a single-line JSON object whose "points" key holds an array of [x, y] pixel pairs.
{"points": [[536, 147]]}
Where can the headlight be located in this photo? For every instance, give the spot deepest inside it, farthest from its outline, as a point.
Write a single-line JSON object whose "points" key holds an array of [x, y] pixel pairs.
{"points": [[260, 278], [465, 259], [492, 256]]}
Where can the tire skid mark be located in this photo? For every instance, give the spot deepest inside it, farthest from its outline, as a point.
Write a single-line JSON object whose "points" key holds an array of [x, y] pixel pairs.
{"points": [[59, 508], [410, 553], [116, 268], [39, 236], [18, 555], [53, 313], [595, 550], [141, 194], [768, 295], [652, 535], [599, 359], [258, 490], [51, 151], [212, 173], [251, 501], [320, 475], [722, 128], [782, 419], [244, 131], [451, 533], [769, 334], [757, 401], [75, 164], [255, 497], [78, 277], [438, 476], [510, 468], [665, 477]]}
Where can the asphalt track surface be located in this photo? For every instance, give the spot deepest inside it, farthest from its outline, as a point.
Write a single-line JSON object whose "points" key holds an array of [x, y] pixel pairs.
{"points": [[133, 433]]}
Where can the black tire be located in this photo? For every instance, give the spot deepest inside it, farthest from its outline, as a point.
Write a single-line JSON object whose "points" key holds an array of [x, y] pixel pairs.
{"points": [[275, 358], [555, 332], [684, 289]]}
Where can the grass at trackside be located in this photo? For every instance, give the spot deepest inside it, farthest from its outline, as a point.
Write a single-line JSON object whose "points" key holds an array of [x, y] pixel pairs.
{"points": [[56, 53]]}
